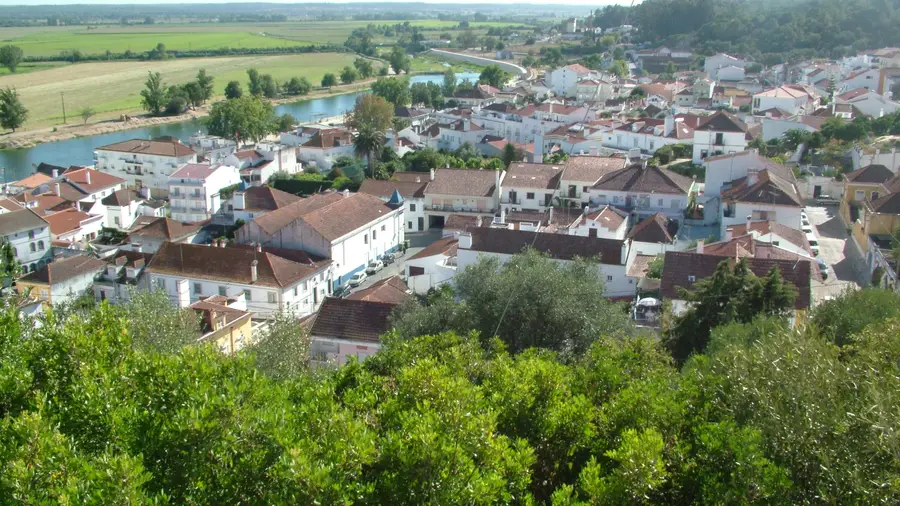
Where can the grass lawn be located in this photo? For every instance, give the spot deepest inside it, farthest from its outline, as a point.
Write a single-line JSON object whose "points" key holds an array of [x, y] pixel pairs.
{"points": [[114, 87], [27, 67]]}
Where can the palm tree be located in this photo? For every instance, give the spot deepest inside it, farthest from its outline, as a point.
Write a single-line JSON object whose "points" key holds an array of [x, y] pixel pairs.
{"points": [[368, 139]]}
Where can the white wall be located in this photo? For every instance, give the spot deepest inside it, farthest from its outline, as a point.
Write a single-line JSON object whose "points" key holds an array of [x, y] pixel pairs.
{"points": [[149, 170], [732, 142], [122, 217], [194, 200], [31, 247], [644, 204], [788, 216], [438, 270], [775, 128]]}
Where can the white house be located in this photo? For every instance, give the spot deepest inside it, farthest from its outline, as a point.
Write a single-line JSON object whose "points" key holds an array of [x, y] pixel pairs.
{"points": [[869, 102], [606, 222], [124, 206], [433, 266], [644, 190], [143, 163], [792, 98], [72, 226], [721, 133], [148, 236], [712, 63], [730, 73], [869, 79], [63, 280], [270, 279], [503, 243], [259, 164], [530, 186], [410, 187], [351, 229], [582, 173], [453, 135], [762, 195], [654, 235], [723, 169], [29, 236], [194, 190], [469, 192], [124, 272], [344, 328], [563, 79], [212, 148], [258, 200], [649, 135], [325, 146], [772, 232]]}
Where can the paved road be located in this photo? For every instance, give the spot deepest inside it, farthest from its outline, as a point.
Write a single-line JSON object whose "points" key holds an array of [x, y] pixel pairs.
{"points": [[846, 265], [417, 242]]}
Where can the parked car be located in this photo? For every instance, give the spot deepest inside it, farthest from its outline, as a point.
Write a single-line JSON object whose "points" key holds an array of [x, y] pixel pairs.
{"points": [[341, 291], [387, 258], [357, 279], [806, 228], [374, 266], [813, 243], [826, 200], [823, 267]]}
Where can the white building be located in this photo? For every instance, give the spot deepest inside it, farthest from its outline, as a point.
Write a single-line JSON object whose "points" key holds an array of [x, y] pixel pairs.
{"points": [[124, 272], [324, 147], [729, 73], [433, 266], [350, 229], [261, 163], [149, 236], [791, 98], [712, 63], [869, 79], [410, 187], [649, 135], [194, 190], [124, 206], [29, 236], [721, 133], [582, 173], [270, 279], [530, 186], [723, 169], [143, 163], [453, 135], [869, 103], [644, 190], [467, 192], [762, 195], [73, 226], [503, 243], [771, 232], [259, 200], [212, 148], [563, 79], [63, 280], [606, 222]]}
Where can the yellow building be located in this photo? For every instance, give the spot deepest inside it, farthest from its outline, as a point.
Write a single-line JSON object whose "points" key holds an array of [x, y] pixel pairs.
{"points": [[224, 322], [860, 186]]}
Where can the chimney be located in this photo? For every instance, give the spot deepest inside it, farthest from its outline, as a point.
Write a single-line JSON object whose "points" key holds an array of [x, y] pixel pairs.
{"points": [[586, 210], [550, 217], [55, 173], [259, 247], [497, 189], [700, 246], [137, 247], [749, 217], [432, 174], [729, 234], [58, 194], [503, 212], [146, 192], [465, 241], [253, 273], [668, 125], [346, 193], [87, 176], [539, 147], [239, 200], [182, 292]]}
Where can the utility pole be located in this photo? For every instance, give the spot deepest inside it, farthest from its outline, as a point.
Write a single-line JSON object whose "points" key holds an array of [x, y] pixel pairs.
{"points": [[62, 96]]}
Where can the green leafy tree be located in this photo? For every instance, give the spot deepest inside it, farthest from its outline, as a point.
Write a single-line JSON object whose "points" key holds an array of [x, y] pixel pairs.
{"points": [[205, 82], [155, 324], [194, 93], [297, 86], [370, 118], [12, 111], [233, 90], [157, 53], [11, 57], [363, 67], [242, 119], [552, 57], [528, 61], [154, 94], [449, 84], [10, 268], [285, 123], [87, 113], [842, 319], [620, 69], [268, 85], [282, 351], [177, 99], [394, 90], [348, 75], [467, 39], [494, 76], [254, 82], [511, 154], [399, 61], [329, 80]]}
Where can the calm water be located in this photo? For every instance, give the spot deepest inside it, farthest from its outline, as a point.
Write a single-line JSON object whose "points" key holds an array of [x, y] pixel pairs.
{"points": [[18, 163]]}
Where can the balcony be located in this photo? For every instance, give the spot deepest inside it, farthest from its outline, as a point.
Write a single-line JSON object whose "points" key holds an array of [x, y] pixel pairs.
{"points": [[459, 209]]}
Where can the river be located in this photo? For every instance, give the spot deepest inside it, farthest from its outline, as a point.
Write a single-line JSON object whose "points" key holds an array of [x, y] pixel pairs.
{"points": [[18, 163]]}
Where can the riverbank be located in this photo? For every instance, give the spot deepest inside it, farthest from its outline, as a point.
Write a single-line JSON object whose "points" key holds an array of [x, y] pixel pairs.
{"points": [[29, 138]]}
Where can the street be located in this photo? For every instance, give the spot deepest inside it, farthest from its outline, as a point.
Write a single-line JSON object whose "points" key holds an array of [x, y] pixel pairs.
{"points": [[417, 242], [846, 265]]}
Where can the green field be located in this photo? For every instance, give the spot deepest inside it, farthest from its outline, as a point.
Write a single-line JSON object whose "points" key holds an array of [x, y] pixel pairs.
{"points": [[25, 68], [111, 88], [51, 41]]}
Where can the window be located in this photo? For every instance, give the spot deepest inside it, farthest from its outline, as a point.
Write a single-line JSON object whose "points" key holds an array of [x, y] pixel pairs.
{"points": [[409, 225], [412, 208], [198, 288], [223, 291], [383, 228], [247, 295], [271, 297], [416, 271], [31, 234], [584, 189], [529, 196], [366, 239], [720, 139], [609, 278], [704, 153], [161, 284], [374, 235], [33, 248], [691, 279], [635, 143], [41, 245], [874, 196], [860, 195], [303, 285], [651, 145], [659, 202], [116, 219]]}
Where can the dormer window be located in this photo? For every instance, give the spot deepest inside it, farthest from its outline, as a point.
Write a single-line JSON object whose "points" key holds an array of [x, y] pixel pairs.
{"points": [[691, 279]]}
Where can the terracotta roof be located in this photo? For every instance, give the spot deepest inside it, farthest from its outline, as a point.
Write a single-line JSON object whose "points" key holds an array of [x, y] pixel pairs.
{"points": [[590, 169], [557, 246], [854, 93], [154, 147], [99, 180], [390, 290], [128, 258], [166, 229], [607, 217], [579, 68], [194, 171], [218, 305], [385, 189], [233, 264], [64, 269], [66, 221], [722, 122], [266, 198], [501, 107], [470, 182], [742, 246], [792, 235], [783, 92], [330, 138], [20, 221], [877, 174], [445, 246], [357, 320], [408, 112], [461, 222], [10, 205], [654, 229], [552, 108], [679, 265], [533, 175], [32, 181], [758, 162], [640, 264], [120, 198], [650, 179], [332, 215], [889, 204], [769, 188], [47, 169], [47, 203]]}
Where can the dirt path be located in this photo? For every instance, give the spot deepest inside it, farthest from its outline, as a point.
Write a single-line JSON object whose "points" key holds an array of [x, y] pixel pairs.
{"points": [[28, 138]]}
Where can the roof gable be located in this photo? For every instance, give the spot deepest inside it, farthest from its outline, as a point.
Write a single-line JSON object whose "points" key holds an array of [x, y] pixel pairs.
{"points": [[557, 246]]}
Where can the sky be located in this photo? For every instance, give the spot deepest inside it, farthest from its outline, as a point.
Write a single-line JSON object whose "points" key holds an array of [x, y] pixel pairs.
{"points": [[591, 3]]}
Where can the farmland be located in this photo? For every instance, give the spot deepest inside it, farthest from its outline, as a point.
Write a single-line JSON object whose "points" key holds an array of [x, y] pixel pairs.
{"points": [[111, 88]]}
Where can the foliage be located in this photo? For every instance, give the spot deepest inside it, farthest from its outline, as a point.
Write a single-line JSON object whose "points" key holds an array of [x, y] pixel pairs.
{"points": [[297, 86], [655, 267], [87, 113], [282, 351], [449, 84], [205, 82], [398, 60], [363, 67], [155, 324], [494, 76], [842, 319], [242, 119], [11, 57], [233, 90], [348, 75], [10, 268], [370, 118], [12, 111], [254, 82], [423, 160], [153, 95], [503, 301], [284, 123], [268, 86], [329, 80], [394, 90], [731, 294]]}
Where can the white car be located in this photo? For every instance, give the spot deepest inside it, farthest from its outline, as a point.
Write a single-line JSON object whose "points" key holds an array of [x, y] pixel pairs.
{"points": [[806, 228], [357, 279], [823, 267], [813, 243], [374, 266]]}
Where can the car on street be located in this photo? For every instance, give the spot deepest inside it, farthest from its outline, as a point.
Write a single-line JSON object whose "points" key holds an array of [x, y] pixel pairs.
{"points": [[374, 266], [387, 258], [823, 267], [826, 200], [341, 291], [357, 279], [806, 228], [813, 243], [804, 219]]}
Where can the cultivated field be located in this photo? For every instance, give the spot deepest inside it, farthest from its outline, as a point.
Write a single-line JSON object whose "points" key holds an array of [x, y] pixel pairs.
{"points": [[114, 87]]}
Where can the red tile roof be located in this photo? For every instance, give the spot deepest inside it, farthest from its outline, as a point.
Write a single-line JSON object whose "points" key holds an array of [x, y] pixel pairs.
{"points": [[390, 290], [154, 147], [64, 269], [332, 215]]}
